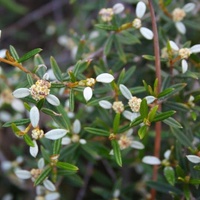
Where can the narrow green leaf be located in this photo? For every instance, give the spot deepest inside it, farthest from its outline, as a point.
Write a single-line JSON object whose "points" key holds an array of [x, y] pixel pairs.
{"points": [[180, 172], [116, 122], [163, 187], [163, 115], [81, 49], [45, 154], [117, 152], [28, 55], [142, 131], [128, 38], [45, 173], [15, 129], [129, 73], [144, 108], [181, 137], [172, 122], [30, 80], [152, 113], [120, 50], [57, 146], [80, 67], [71, 100], [106, 27], [50, 112], [97, 131], [121, 77], [137, 121], [14, 53], [40, 103], [17, 122], [57, 85], [167, 2], [28, 140], [56, 69], [194, 181], [72, 76], [169, 175], [108, 44], [38, 62], [165, 92], [67, 166]]}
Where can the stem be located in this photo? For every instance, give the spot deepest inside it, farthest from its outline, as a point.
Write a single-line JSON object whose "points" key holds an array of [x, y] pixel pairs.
{"points": [[158, 125]]}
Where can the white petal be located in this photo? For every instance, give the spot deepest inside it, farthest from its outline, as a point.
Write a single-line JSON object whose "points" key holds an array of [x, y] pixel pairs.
{"points": [[167, 154], [105, 78], [76, 126], [34, 150], [118, 8], [184, 65], [173, 45], [21, 92], [189, 7], [41, 163], [82, 141], [150, 99], [137, 145], [6, 165], [49, 185], [105, 104], [5, 116], [17, 105], [55, 134], [23, 174], [180, 27], [116, 193], [34, 116], [53, 100], [151, 160], [87, 93], [140, 9], [3, 53], [45, 76], [193, 158], [52, 196], [134, 116], [111, 152], [65, 141], [40, 190], [125, 91], [195, 48], [147, 33]]}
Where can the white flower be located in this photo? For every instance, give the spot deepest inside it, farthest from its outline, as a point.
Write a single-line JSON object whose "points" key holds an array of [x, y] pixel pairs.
{"points": [[178, 14], [151, 160], [193, 159], [3, 53], [137, 23], [102, 78], [184, 53], [38, 91], [118, 8], [76, 128]]}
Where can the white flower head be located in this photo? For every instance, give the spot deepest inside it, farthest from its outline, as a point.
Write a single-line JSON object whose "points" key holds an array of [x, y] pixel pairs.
{"points": [[184, 53], [137, 22]]}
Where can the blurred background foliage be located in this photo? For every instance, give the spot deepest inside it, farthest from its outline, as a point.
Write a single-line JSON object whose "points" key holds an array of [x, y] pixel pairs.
{"points": [[59, 27]]}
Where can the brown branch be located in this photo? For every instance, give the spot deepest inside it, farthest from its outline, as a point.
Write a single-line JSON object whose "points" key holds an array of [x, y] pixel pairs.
{"points": [[158, 126]]}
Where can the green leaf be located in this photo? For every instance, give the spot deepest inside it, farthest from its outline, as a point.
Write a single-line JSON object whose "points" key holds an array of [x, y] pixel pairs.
{"points": [[169, 175], [128, 38], [167, 2], [45, 173], [108, 44], [152, 113], [45, 154], [30, 79], [144, 108], [129, 73], [56, 69], [165, 92], [120, 50], [172, 122], [194, 181], [15, 129], [28, 55], [50, 112], [106, 27], [163, 115], [81, 49], [97, 131], [57, 85], [137, 121], [57, 146], [71, 100], [163, 187], [67, 166], [142, 131], [28, 140], [14, 53], [117, 152], [181, 137], [180, 172], [116, 122], [17, 122], [80, 67], [121, 77]]}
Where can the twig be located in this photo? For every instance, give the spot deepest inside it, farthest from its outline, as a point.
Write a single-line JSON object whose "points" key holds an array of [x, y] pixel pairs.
{"points": [[158, 125]]}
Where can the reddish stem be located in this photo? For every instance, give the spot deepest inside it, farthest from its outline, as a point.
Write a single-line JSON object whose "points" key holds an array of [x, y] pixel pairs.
{"points": [[158, 126]]}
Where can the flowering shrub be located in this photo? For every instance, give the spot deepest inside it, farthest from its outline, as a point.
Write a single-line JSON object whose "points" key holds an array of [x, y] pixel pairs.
{"points": [[119, 121]]}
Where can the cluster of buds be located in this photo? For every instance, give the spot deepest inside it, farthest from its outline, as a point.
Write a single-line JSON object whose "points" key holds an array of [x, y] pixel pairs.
{"points": [[108, 13], [134, 104]]}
